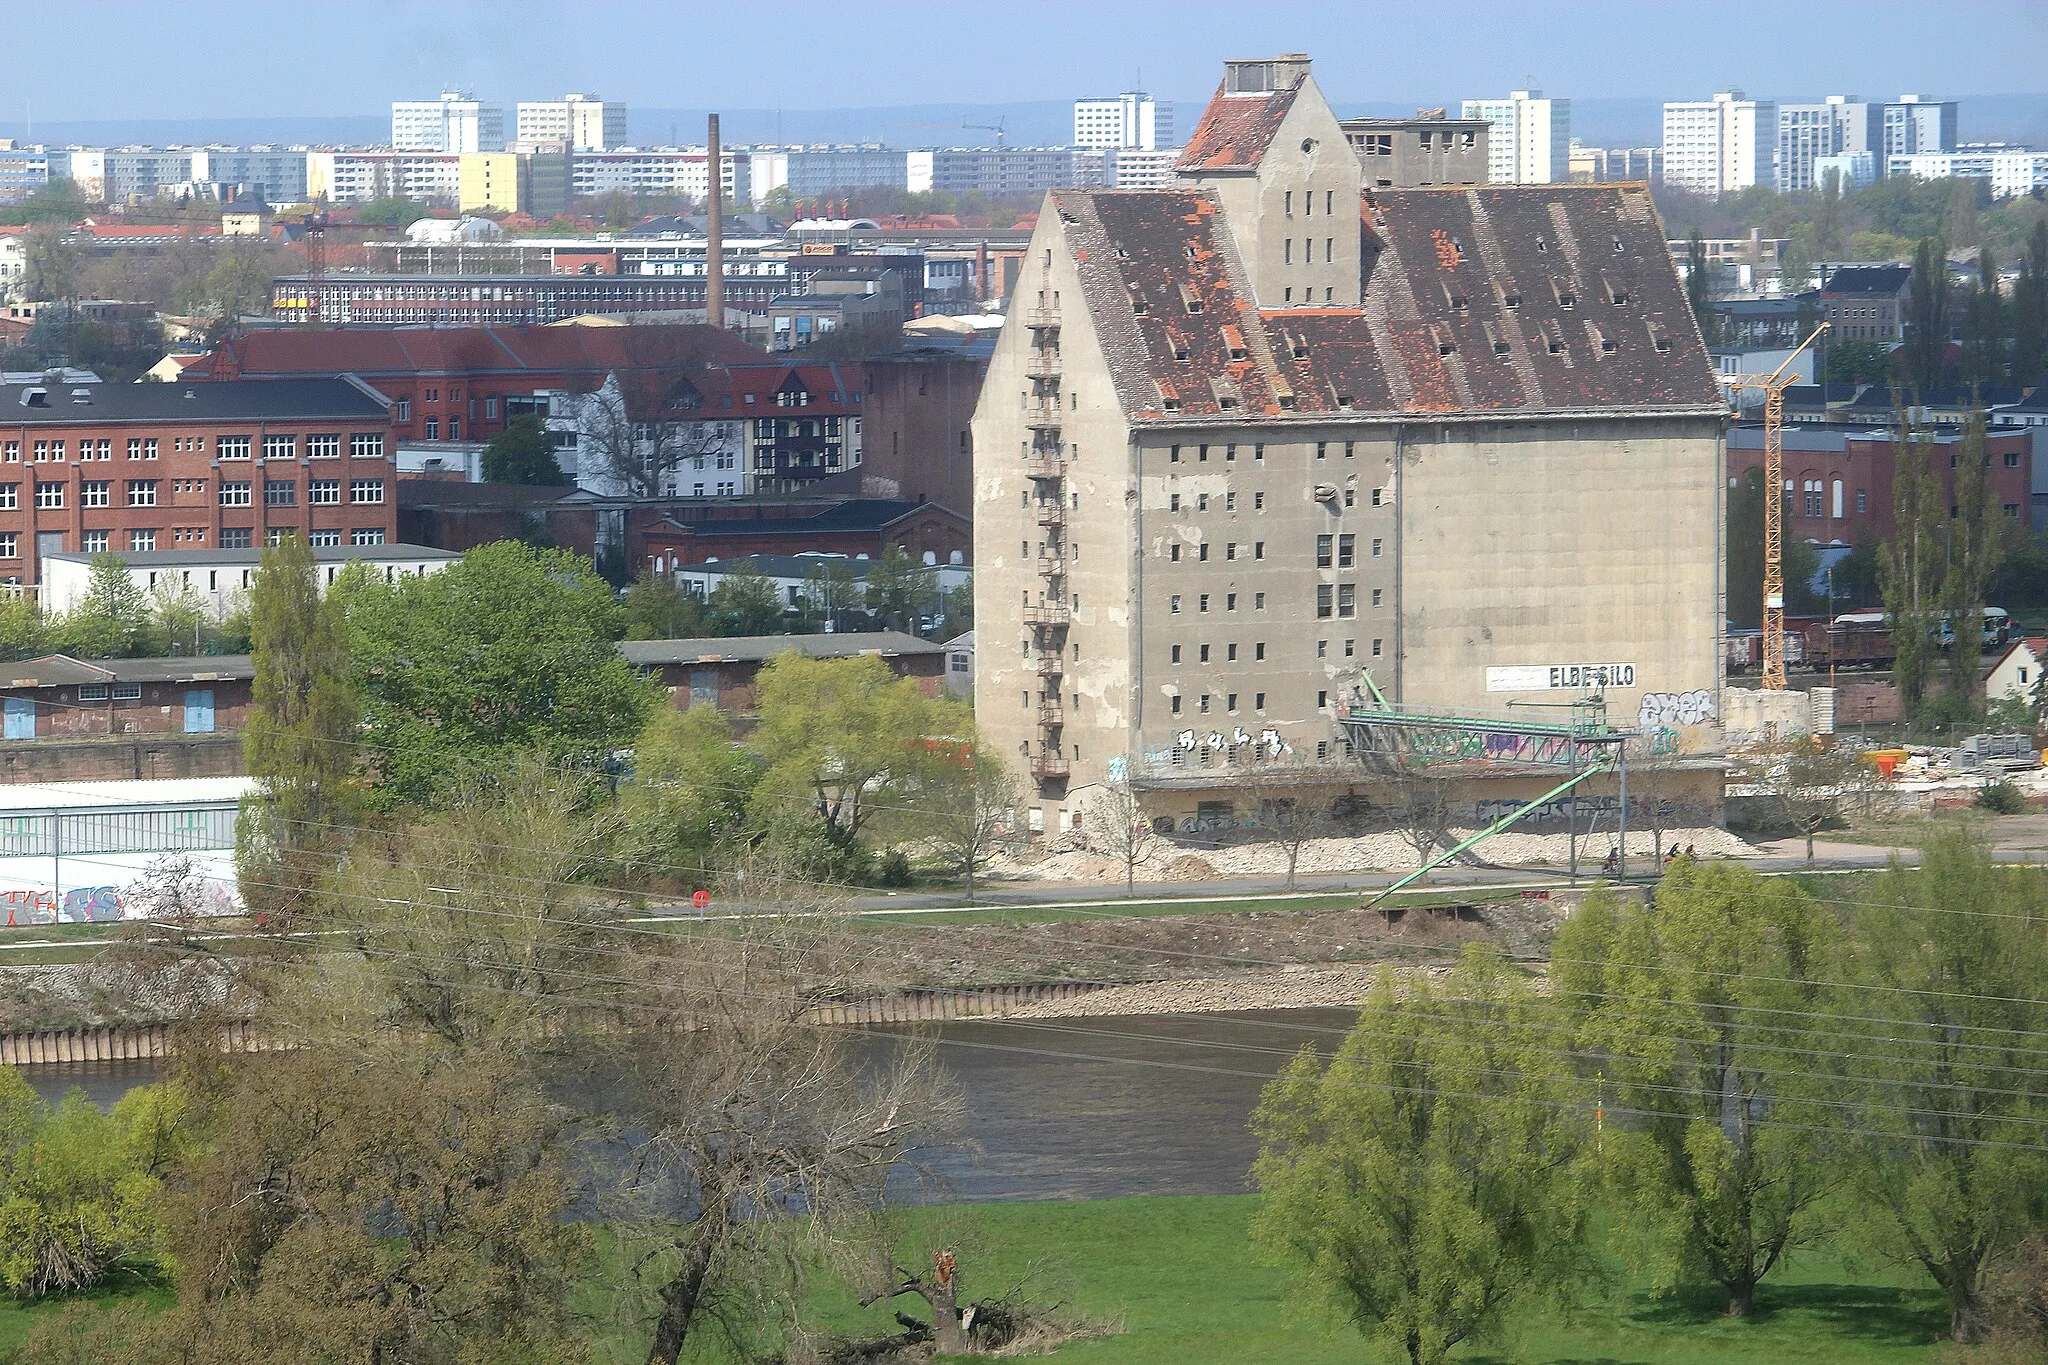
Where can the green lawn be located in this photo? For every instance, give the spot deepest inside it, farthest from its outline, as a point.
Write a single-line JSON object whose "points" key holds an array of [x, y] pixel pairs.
{"points": [[1180, 1273], [17, 1318]]}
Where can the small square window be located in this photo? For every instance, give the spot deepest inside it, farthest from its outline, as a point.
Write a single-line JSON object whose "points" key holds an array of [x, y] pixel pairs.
{"points": [[1376, 547], [1174, 705], [1204, 653], [1258, 701], [1375, 649], [1230, 601], [1376, 496], [1230, 653], [1258, 601], [1322, 700], [1173, 605], [1259, 651], [1202, 603], [1258, 502], [1176, 654]]}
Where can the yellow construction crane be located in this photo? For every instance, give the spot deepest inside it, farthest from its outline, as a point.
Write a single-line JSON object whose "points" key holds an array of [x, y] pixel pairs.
{"points": [[1774, 385]]}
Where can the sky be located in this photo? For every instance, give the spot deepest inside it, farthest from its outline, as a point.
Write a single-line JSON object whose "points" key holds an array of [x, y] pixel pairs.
{"points": [[137, 59]]}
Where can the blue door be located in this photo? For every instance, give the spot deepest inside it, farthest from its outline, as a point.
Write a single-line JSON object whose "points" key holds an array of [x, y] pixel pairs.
{"points": [[199, 711], [21, 718]]}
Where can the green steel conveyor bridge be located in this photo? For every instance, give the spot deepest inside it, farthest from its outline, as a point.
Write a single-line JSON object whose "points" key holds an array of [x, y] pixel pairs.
{"points": [[1403, 740]]}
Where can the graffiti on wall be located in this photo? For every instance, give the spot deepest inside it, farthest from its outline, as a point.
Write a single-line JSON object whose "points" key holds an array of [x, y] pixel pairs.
{"points": [[80, 905], [1675, 710]]}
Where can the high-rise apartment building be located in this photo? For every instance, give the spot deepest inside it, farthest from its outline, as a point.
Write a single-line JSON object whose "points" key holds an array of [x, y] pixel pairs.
{"points": [[456, 122], [583, 123], [1915, 124], [1133, 119], [1719, 145], [1807, 133], [1240, 465], [1530, 140]]}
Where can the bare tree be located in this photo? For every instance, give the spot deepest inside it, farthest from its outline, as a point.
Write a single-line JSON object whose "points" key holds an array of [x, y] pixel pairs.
{"points": [[1115, 822], [1421, 813], [1808, 780], [975, 809], [749, 1108], [637, 431], [1286, 816]]}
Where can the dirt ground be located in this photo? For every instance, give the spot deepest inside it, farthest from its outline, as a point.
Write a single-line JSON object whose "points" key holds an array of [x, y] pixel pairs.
{"points": [[1160, 947]]}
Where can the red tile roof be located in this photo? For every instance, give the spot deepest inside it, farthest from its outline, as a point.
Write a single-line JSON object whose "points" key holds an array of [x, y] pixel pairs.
{"points": [[1236, 129]]}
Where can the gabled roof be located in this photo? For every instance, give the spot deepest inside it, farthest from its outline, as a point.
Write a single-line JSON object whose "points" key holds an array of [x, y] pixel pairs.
{"points": [[834, 516], [1236, 130], [1887, 280], [1502, 298], [2036, 645]]}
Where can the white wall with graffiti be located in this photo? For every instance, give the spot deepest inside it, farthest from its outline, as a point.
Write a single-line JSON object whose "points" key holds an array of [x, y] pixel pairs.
{"points": [[94, 852]]}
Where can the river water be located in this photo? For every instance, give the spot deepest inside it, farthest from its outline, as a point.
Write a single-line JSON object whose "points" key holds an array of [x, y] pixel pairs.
{"points": [[1058, 1108]]}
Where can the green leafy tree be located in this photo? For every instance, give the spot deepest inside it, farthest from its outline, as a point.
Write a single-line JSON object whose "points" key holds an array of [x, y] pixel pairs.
{"points": [[1950, 965], [511, 650], [1700, 1011], [901, 591], [848, 739], [1853, 362], [24, 633], [1909, 570], [1429, 1180], [830, 595], [391, 211], [524, 452], [79, 1186], [1827, 216], [301, 741], [689, 792], [1927, 316], [177, 618], [657, 608], [111, 619], [745, 602]]}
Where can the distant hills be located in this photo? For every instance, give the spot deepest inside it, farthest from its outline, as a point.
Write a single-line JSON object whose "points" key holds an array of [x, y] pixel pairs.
{"points": [[1600, 122]]}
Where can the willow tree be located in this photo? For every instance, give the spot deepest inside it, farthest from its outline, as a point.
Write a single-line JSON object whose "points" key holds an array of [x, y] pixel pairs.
{"points": [[1701, 1012]]}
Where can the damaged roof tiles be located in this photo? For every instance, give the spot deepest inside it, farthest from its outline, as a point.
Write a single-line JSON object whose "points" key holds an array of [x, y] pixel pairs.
{"points": [[1519, 298]]}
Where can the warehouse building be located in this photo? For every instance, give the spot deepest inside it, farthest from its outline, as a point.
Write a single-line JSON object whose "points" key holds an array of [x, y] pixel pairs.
{"points": [[1270, 440]]}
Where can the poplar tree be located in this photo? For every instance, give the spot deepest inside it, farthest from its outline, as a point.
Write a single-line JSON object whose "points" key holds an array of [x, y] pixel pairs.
{"points": [[300, 741], [1908, 569], [1927, 315], [1975, 550]]}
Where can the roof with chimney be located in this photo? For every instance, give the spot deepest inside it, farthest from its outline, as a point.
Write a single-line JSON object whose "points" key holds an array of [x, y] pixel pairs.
{"points": [[1503, 298]]}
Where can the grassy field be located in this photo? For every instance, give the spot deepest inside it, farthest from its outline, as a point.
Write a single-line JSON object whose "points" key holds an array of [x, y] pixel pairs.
{"points": [[1179, 1273], [17, 1318]]}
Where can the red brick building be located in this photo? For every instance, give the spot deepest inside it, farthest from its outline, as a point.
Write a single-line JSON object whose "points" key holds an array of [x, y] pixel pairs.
{"points": [[452, 383], [915, 438], [138, 467], [1838, 481]]}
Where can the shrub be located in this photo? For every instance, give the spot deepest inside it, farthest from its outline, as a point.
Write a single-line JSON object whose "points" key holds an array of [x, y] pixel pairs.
{"points": [[895, 869], [2001, 797]]}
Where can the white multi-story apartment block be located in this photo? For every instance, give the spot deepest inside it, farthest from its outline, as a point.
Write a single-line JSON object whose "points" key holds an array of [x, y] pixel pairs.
{"points": [[1131, 168], [1913, 123], [1529, 141], [583, 123], [2007, 169], [1852, 170], [456, 122], [118, 174], [344, 176], [1133, 119], [1001, 170], [1719, 145], [663, 170], [277, 173]]}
